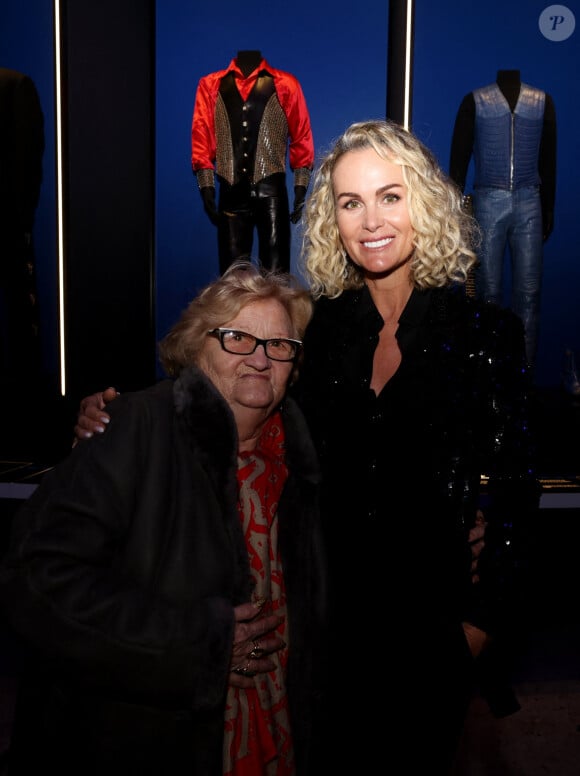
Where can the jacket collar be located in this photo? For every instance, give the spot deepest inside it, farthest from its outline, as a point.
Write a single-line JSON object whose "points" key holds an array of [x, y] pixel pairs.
{"points": [[207, 414]]}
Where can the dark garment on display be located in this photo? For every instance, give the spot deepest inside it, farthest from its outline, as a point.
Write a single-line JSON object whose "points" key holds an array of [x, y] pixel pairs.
{"points": [[246, 205], [509, 128], [246, 119], [21, 152], [398, 505], [20, 353], [263, 207]]}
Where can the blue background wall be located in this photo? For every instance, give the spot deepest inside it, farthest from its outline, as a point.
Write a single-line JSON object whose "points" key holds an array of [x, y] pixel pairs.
{"points": [[339, 54]]}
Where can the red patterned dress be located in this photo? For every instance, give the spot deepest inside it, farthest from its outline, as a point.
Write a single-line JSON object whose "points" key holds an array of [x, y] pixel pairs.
{"points": [[258, 739]]}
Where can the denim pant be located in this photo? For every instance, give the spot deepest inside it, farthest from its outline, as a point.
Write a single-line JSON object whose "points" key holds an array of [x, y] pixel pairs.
{"points": [[512, 218]]}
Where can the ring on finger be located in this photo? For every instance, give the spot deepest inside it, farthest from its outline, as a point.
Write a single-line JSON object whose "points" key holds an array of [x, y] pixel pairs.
{"points": [[244, 670], [257, 651]]}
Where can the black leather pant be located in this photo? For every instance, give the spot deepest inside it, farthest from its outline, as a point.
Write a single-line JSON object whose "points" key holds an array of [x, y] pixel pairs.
{"points": [[19, 323], [263, 207]]}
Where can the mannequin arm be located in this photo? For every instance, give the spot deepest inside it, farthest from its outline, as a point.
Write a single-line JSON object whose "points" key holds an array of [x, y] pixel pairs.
{"points": [[547, 224], [462, 141], [299, 199], [547, 168], [208, 198]]}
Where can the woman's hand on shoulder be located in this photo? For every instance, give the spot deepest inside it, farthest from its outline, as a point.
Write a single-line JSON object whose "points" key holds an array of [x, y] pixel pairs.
{"points": [[91, 418]]}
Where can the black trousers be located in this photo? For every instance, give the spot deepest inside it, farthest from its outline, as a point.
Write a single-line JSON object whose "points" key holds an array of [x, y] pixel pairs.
{"points": [[19, 324], [399, 705], [264, 208]]}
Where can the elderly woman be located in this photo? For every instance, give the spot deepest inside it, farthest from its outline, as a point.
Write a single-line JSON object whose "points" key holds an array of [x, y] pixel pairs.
{"points": [[167, 576]]}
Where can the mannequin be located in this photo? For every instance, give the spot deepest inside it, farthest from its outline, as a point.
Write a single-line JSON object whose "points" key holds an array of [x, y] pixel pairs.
{"points": [[514, 212], [246, 119], [21, 154], [248, 61], [510, 83]]}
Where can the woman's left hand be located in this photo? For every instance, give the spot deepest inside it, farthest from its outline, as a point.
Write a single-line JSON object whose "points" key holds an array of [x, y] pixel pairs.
{"points": [[476, 638], [255, 639], [477, 543]]}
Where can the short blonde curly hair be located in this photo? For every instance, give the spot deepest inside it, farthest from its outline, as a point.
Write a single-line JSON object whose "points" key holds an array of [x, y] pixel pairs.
{"points": [[221, 300], [445, 235]]}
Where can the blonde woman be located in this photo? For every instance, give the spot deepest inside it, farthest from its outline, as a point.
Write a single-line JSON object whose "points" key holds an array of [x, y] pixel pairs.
{"points": [[412, 391]]}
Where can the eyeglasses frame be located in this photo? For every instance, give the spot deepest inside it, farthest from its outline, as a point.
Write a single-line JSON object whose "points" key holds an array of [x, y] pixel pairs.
{"points": [[220, 332]]}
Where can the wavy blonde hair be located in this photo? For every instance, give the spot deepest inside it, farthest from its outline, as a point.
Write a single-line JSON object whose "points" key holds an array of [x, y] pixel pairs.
{"points": [[222, 300], [445, 236]]}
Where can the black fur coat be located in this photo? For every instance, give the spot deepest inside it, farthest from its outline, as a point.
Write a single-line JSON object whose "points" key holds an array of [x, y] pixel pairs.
{"points": [[121, 579]]}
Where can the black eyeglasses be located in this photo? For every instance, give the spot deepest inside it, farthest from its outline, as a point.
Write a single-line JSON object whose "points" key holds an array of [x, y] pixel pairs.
{"points": [[242, 344]]}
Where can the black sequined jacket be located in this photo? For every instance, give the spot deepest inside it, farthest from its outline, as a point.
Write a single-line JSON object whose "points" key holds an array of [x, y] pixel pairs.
{"points": [[405, 471]]}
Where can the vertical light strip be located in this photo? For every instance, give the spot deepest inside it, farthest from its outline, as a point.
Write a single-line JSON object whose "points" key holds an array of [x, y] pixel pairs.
{"points": [[408, 65], [59, 199]]}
